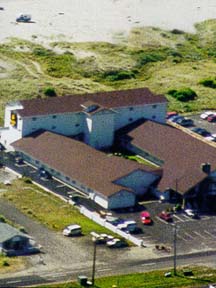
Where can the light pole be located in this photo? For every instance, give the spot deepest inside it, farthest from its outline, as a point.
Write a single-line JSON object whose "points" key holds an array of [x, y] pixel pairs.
{"points": [[174, 248], [94, 260]]}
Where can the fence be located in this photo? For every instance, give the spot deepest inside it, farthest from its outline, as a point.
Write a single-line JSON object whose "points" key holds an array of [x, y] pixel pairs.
{"points": [[96, 218]]}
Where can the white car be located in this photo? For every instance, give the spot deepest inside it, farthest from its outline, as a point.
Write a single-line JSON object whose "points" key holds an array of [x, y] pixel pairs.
{"points": [[205, 114], [128, 226], [72, 230], [116, 243], [191, 213]]}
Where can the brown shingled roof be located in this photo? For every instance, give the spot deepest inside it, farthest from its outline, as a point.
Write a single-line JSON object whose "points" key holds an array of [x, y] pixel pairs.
{"points": [[72, 103], [183, 154], [79, 161]]}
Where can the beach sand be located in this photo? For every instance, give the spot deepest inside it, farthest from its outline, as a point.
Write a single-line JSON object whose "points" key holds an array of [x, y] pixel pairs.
{"points": [[98, 20]]}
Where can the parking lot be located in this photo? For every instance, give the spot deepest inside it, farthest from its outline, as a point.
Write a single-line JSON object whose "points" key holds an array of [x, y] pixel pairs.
{"points": [[192, 234]]}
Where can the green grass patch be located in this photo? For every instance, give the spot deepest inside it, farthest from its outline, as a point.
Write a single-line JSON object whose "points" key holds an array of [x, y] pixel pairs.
{"points": [[47, 208], [11, 264], [154, 279]]}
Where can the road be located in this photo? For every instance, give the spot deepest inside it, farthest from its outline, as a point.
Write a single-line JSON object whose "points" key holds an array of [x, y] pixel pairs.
{"points": [[109, 269]]}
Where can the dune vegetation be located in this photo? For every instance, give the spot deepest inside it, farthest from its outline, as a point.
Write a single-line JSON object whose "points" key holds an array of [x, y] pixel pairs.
{"points": [[148, 57]]}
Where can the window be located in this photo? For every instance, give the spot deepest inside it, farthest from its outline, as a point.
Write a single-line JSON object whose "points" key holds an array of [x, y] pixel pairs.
{"points": [[131, 108], [34, 118], [77, 125], [130, 119], [74, 182], [37, 162], [53, 127], [153, 117], [67, 178], [54, 116], [154, 106]]}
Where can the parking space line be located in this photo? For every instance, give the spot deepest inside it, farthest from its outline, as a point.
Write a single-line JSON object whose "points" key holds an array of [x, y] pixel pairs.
{"points": [[34, 171], [60, 186], [163, 221], [197, 233], [189, 235], [181, 237], [205, 217], [180, 220], [210, 234], [187, 217]]}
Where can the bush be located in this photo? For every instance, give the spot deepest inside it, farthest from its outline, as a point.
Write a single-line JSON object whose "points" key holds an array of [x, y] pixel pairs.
{"points": [[183, 95], [2, 219], [49, 91], [148, 57], [211, 83], [42, 52], [118, 75], [5, 263]]}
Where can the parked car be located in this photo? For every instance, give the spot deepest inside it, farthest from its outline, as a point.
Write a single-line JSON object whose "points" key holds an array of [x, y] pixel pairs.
{"points": [[114, 220], [186, 122], [116, 243], [23, 18], [145, 217], [211, 118], [44, 174], [129, 226], [72, 230], [167, 216], [175, 118], [101, 238], [191, 213], [206, 114], [201, 131], [19, 161]]}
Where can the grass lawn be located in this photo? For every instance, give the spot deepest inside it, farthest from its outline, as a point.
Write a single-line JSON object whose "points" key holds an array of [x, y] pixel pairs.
{"points": [[11, 264], [155, 279], [47, 208]]}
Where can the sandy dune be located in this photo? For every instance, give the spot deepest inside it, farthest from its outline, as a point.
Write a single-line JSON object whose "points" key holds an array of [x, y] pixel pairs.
{"points": [[98, 20]]}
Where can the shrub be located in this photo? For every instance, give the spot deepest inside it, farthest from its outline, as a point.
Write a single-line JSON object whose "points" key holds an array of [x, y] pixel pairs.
{"points": [[148, 57], [49, 91], [5, 263], [42, 52], [183, 95], [2, 219], [118, 75], [177, 31], [208, 83]]}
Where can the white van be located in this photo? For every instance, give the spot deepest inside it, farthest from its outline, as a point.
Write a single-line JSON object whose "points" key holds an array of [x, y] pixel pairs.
{"points": [[72, 230]]}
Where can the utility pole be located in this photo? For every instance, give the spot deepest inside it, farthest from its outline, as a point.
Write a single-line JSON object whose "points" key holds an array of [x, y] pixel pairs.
{"points": [[174, 248], [94, 261]]}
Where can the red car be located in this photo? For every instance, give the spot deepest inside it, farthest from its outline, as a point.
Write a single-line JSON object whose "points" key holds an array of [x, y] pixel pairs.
{"points": [[167, 216], [145, 217], [211, 118]]}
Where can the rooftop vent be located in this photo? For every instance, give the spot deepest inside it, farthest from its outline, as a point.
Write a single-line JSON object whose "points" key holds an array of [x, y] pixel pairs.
{"points": [[206, 167]]}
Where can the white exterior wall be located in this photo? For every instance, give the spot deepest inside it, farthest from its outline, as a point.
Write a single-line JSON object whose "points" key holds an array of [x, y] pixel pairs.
{"points": [[138, 180], [66, 124], [9, 135], [121, 199], [99, 130], [101, 201], [127, 115]]}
